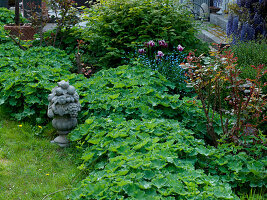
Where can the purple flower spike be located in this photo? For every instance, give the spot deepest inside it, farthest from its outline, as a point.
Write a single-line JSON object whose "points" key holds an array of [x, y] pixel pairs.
{"points": [[151, 43], [160, 54], [141, 51], [163, 43], [180, 48]]}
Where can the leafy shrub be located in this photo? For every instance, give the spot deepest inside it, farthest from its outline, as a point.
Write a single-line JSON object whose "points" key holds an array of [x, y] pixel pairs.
{"points": [[27, 77], [26, 98], [114, 26], [66, 39], [143, 159], [11, 57], [4, 35], [209, 77], [7, 17]]}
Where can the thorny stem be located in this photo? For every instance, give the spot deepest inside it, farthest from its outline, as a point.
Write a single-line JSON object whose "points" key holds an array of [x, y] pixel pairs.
{"points": [[220, 111], [209, 90], [18, 43], [214, 101], [210, 129], [41, 29]]}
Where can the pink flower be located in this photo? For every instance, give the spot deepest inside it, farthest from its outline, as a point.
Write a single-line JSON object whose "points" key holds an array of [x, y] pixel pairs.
{"points": [[160, 54], [180, 48], [141, 51], [151, 43], [163, 43]]}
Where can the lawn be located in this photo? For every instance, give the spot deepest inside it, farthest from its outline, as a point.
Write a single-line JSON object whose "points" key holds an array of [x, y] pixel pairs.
{"points": [[31, 167]]}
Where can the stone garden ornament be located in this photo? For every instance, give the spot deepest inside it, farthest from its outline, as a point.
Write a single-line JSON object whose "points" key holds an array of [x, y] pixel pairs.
{"points": [[63, 108]]}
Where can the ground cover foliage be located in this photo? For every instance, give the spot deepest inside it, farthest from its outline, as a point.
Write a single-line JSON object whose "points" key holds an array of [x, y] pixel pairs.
{"points": [[137, 92], [123, 140], [144, 159], [41, 68], [7, 16], [138, 138], [158, 159]]}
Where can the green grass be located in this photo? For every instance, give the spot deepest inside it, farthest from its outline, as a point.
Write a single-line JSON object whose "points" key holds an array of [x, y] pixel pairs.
{"points": [[251, 53], [254, 195], [31, 167]]}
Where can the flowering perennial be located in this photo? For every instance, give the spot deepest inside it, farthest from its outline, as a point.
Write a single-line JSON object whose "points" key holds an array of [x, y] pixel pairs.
{"points": [[163, 43], [180, 48], [160, 54], [141, 51], [151, 43]]}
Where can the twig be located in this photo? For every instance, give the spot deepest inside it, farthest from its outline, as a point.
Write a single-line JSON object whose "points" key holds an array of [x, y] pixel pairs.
{"points": [[55, 192], [81, 172], [22, 47]]}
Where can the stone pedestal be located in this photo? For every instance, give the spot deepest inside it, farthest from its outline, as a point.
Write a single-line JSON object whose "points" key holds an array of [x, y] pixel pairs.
{"points": [[64, 126], [61, 140]]}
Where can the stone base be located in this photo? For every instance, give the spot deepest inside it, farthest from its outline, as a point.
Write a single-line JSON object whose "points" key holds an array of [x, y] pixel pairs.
{"points": [[61, 140]]}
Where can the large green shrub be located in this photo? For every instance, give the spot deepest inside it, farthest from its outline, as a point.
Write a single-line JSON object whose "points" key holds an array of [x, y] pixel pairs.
{"points": [[114, 27]]}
